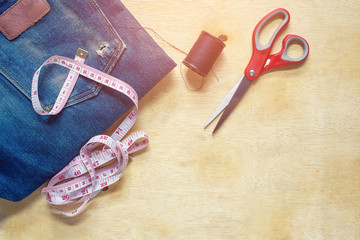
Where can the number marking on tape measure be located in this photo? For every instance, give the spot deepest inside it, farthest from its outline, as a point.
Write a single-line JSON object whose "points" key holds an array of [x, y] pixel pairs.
{"points": [[92, 170]]}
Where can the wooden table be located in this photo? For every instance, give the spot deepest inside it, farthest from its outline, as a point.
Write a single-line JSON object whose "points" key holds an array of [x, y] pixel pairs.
{"points": [[285, 164]]}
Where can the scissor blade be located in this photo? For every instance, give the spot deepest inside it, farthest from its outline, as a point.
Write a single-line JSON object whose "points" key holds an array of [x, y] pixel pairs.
{"points": [[224, 103], [245, 84]]}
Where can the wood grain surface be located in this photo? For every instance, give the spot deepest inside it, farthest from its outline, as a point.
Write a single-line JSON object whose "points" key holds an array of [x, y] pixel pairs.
{"points": [[285, 164]]}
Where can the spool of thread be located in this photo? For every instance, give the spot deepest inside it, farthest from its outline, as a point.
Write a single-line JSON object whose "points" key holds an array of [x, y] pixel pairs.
{"points": [[204, 53]]}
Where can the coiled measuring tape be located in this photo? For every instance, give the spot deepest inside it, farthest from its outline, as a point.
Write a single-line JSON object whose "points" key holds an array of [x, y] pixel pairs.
{"points": [[92, 170]]}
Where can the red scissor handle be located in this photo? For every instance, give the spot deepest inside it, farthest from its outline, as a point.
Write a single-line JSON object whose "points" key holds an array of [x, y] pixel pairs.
{"points": [[282, 58], [261, 59]]}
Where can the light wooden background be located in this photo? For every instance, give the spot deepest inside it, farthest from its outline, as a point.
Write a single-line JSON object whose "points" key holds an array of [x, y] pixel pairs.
{"points": [[285, 164]]}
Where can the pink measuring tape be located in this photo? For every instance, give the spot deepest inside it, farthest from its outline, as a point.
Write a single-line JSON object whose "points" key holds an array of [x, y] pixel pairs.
{"points": [[85, 176]]}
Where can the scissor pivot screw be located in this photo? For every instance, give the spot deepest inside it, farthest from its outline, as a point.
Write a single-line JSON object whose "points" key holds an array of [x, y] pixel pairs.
{"points": [[252, 72]]}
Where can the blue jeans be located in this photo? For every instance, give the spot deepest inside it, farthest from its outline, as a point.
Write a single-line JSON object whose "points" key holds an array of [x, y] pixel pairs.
{"points": [[33, 147]]}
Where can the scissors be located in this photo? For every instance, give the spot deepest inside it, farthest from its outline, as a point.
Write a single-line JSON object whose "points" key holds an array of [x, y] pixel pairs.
{"points": [[260, 61]]}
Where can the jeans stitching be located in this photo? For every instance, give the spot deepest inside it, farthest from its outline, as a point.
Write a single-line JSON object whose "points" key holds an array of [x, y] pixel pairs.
{"points": [[105, 20], [118, 49], [18, 83], [107, 27], [111, 29], [112, 57], [93, 91]]}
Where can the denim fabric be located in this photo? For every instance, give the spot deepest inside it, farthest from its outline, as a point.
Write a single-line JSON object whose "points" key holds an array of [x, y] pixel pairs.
{"points": [[5, 4], [33, 147]]}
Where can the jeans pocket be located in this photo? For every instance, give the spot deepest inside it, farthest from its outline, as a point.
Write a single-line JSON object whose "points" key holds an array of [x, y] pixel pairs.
{"points": [[68, 26]]}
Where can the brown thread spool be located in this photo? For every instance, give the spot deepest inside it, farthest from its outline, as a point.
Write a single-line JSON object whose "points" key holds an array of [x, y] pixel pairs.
{"points": [[204, 53]]}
